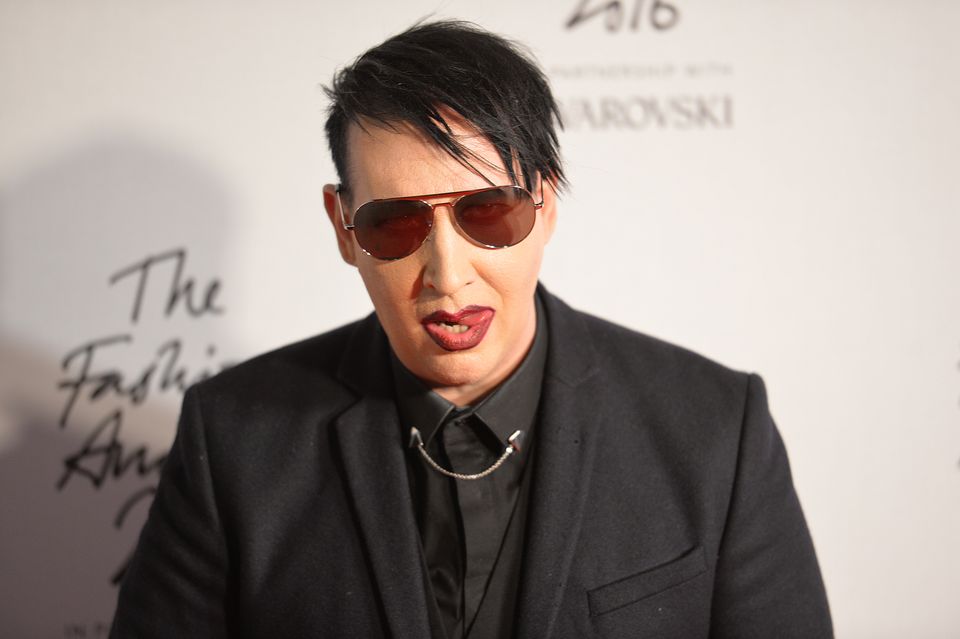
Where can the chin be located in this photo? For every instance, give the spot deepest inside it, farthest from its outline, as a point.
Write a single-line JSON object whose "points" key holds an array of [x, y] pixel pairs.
{"points": [[451, 369]]}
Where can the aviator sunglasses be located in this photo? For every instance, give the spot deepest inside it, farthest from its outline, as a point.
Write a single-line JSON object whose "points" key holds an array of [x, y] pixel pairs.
{"points": [[493, 217]]}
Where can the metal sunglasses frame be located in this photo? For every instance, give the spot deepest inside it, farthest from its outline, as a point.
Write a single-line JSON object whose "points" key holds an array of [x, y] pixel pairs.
{"points": [[450, 198]]}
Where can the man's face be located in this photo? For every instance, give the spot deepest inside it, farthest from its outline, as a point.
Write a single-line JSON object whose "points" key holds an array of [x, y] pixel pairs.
{"points": [[448, 272]]}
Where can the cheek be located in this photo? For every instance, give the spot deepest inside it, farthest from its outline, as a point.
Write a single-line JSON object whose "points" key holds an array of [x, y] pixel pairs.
{"points": [[515, 274], [390, 286]]}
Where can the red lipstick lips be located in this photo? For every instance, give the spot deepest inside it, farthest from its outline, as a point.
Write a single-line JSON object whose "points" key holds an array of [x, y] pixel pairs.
{"points": [[461, 330]]}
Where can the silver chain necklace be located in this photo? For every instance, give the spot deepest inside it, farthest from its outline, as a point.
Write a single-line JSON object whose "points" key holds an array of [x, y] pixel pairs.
{"points": [[513, 446]]}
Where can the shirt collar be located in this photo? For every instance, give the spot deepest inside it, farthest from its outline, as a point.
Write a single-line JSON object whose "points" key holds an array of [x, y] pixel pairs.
{"points": [[511, 406]]}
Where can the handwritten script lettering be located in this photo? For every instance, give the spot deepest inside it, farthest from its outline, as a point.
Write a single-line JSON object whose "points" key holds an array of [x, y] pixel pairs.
{"points": [[179, 289], [163, 373], [102, 457], [92, 378]]}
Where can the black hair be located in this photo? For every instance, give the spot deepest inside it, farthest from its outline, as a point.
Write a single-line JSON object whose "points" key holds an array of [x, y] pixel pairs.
{"points": [[488, 80]]}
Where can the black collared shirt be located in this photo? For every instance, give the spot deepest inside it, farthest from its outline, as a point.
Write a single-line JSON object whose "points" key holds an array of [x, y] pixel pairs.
{"points": [[472, 530]]}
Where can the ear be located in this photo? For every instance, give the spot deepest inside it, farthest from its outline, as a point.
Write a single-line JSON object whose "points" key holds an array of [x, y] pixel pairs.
{"points": [[548, 212], [345, 240]]}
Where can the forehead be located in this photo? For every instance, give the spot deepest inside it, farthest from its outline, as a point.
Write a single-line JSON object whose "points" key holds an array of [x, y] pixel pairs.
{"points": [[400, 160]]}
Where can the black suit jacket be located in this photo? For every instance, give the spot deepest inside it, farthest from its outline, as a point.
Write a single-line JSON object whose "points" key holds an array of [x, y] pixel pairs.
{"points": [[662, 501]]}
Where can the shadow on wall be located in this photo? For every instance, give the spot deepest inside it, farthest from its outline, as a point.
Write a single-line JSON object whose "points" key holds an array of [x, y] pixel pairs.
{"points": [[91, 372]]}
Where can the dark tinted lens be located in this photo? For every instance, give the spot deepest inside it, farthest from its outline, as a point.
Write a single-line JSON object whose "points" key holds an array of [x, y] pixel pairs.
{"points": [[392, 229], [497, 217]]}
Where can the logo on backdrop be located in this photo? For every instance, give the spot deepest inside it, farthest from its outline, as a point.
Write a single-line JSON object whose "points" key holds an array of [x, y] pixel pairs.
{"points": [[92, 379], [639, 94], [682, 112]]}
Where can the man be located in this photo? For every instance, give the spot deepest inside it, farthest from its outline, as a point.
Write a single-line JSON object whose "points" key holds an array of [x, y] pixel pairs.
{"points": [[475, 459]]}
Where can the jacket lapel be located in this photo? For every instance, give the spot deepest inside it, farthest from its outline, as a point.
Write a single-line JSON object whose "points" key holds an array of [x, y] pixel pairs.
{"points": [[372, 450], [565, 443]]}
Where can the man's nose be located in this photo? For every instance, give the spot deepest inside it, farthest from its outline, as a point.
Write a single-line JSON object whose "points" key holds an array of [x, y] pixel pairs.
{"points": [[446, 252]]}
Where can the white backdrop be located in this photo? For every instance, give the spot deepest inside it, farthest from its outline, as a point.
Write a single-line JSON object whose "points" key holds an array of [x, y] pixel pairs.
{"points": [[771, 183]]}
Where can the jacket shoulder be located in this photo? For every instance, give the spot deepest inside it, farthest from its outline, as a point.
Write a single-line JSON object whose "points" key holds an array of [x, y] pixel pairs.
{"points": [[287, 376], [632, 356], [674, 396]]}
